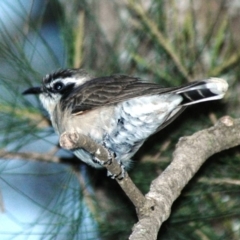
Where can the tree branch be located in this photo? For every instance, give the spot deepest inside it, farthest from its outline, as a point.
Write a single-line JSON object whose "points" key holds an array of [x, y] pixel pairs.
{"points": [[31, 156], [153, 209], [155, 31], [191, 152], [73, 141]]}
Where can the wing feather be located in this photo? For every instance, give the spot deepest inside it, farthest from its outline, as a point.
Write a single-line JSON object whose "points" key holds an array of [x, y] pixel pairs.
{"points": [[104, 91]]}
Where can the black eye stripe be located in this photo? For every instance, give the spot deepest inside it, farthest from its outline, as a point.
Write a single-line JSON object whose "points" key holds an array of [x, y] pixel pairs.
{"points": [[64, 90], [55, 87]]}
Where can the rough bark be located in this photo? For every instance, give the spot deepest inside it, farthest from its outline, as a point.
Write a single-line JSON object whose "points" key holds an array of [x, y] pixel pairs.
{"points": [[191, 152], [155, 207]]}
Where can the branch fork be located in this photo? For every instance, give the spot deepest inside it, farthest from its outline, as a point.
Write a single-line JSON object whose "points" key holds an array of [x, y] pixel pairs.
{"points": [[191, 152]]}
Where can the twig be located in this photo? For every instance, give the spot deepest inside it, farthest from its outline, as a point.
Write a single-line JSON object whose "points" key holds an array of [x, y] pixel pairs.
{"points": [[79, 36], [167, 46], [87, 195], [221, 181], [74, 141], [227, 64], [2, 207], [33, 156], [30, 114]]}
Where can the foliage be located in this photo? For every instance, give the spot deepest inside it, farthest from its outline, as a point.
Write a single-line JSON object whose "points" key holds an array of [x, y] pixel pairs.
{"points": [[164, 41]]}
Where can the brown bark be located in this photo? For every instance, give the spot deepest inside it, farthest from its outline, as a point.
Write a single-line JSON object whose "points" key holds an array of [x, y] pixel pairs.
{"points": [[155, 207]]}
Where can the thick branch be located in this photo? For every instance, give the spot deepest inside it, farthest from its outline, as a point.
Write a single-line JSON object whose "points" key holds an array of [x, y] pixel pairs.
{"points": [[191, 152]]}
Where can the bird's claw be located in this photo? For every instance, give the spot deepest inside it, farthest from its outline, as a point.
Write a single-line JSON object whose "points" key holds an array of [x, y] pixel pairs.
{"points": [[107, 162], [118, 176]]}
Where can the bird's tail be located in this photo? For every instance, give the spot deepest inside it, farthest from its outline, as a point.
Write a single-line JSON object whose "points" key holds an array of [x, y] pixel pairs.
{"points": [[201, 91]]}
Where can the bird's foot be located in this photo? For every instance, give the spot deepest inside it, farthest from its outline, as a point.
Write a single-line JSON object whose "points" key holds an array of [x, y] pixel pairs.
{"points": [[118, 176]]}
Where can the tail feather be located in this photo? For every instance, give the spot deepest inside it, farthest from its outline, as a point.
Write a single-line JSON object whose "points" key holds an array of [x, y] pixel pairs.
{"points": [[201, 91]]}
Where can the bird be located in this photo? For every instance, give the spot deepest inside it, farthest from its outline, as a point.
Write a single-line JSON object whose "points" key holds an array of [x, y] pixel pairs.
{"points": [[118, 112]]}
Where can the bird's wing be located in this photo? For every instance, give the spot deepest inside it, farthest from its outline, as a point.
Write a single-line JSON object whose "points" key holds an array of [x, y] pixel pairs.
{"points": [[108, 90], [104, 91]]}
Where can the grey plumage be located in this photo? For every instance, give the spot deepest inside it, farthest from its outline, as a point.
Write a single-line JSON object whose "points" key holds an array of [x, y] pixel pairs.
{"points": [[119, 112]]}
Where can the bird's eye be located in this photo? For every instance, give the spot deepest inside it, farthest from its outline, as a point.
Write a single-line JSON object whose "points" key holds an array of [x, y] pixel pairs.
{"points": [[58, 86]]}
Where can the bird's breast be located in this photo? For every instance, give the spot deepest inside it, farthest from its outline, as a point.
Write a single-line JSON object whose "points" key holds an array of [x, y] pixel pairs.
{"points": [[94, 123]]}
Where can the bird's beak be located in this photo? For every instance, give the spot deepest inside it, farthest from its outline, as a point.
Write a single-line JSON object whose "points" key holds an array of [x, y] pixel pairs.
{"points": [[33, 90]]}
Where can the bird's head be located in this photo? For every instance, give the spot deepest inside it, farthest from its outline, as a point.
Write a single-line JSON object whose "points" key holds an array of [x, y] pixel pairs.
{"points": [[58, 85]]}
